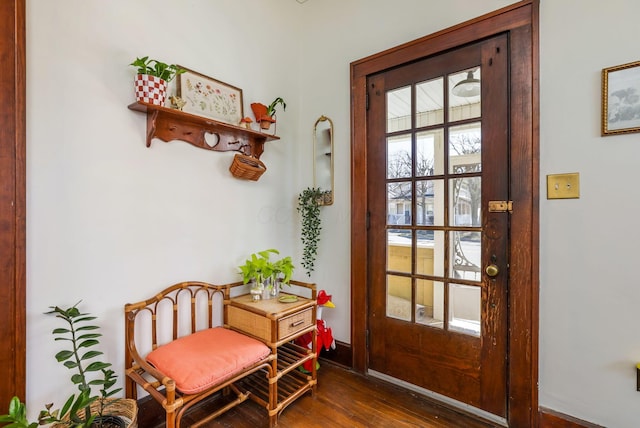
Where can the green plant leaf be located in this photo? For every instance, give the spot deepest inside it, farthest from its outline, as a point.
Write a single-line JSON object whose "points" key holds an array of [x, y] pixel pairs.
{"points": [[64, 355], [96, 366], [70, 364], [91, 354], [89, 336], [87, 343]]}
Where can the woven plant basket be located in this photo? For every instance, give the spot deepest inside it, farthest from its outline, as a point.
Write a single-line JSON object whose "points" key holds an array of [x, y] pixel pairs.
{"points": [[247, 167], [125, 408]]}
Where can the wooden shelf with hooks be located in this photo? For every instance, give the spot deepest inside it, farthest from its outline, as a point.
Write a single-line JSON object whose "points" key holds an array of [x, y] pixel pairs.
{"points": [[169, 124]]}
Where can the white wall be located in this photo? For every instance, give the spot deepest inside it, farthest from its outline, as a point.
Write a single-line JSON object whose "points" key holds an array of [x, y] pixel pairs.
{"points": [[589, 292], [111, 221]]}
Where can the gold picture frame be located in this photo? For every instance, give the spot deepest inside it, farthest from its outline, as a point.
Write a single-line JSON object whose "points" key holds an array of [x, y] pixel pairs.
{"points": [[208, 97], [621, 99]]}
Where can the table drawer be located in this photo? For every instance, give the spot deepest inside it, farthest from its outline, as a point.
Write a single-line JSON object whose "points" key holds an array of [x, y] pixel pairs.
{"points": [[294, 323]]}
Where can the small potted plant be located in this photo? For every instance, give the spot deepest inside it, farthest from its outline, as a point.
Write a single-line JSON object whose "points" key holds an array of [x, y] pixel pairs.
{"points": [[282, 272], [87, 409], [152, 79], [266, 276], [265, 115]]}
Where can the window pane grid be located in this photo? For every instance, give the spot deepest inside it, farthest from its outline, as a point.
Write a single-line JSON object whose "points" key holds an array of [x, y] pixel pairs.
{"points": [[433, 206]]}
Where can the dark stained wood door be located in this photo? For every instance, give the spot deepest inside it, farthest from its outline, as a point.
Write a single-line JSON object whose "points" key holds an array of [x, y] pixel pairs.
{"points": [[437, 160], [12, 201]]}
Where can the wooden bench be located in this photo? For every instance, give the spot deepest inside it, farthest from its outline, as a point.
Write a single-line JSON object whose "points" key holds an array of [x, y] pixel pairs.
{"points": [[178, 350]]}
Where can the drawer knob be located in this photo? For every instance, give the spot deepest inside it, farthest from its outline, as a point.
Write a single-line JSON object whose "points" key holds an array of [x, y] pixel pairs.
{"points": [[297, 323]]}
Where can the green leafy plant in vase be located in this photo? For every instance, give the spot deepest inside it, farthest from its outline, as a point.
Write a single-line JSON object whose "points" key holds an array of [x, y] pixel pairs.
{"points": [[282, 272], [266, 275]]}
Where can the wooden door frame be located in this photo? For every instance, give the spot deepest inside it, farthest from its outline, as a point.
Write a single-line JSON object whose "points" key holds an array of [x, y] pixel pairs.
{"points": [[13, 201], [520, 21]]}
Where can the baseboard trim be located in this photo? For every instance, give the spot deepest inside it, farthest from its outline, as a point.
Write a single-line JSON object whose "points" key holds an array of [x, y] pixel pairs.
{"points": [[341, 356], [552, 419]]}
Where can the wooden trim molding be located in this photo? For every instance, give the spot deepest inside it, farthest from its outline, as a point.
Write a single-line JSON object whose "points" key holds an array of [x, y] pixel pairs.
{"points": [[520, 22], [12, 200], [552, 419], [341, 356]]}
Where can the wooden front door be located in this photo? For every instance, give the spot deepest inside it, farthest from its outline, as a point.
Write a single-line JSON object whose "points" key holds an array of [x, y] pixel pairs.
{"points": [[519, 22], [438, 198]]}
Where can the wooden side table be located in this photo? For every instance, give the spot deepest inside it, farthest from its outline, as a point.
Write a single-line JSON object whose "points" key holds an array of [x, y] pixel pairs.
{"points": [[277, 324]]}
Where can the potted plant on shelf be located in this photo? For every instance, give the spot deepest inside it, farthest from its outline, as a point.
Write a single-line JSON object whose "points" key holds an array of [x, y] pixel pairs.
{"points": [[152, 79], [265, 115], [282, 272], [266, 276], [309, 208], [87, 409]]}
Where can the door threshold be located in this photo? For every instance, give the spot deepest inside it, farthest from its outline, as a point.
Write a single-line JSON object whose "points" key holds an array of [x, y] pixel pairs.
{"points": [[450, 402]]}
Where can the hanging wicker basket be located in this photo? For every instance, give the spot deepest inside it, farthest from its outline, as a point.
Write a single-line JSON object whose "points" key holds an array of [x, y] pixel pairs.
{"points": [[247, 167]]}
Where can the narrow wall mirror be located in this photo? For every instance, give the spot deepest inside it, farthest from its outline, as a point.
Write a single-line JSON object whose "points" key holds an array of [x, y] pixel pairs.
{"points": [[323, 158]]}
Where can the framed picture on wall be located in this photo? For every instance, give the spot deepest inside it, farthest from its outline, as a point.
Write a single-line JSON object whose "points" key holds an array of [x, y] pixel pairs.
{"points": [[205, 96], [621, 99]]}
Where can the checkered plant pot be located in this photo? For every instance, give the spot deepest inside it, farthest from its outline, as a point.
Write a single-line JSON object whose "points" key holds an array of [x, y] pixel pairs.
{"points": [[150, 89]]}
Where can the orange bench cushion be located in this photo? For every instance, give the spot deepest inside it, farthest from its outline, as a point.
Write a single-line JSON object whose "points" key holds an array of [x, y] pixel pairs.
{"points": [[203, 359]]}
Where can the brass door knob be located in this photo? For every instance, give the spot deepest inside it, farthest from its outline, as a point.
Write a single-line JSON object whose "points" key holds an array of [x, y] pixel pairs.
{"points": [[492, 270]]}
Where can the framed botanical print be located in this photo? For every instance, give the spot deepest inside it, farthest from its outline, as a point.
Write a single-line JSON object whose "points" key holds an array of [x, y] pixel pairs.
{"points": [[205, 96]]}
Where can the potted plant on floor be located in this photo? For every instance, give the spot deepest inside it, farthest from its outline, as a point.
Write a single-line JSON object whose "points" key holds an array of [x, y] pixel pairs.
{"points": [[87, 409], [152, 79], [265, 115], [309, 209]]}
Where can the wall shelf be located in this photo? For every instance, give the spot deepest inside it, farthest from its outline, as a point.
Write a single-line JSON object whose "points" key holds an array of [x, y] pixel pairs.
{"points": [[169, 124]]}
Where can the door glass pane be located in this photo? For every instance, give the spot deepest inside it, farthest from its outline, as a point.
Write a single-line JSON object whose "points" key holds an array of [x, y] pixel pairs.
{"points": [[399, 109], [465, 148], [424, 202], [465, 255], [429, 303], [464, 309], [464, 94], [399, 203], [430, 202], [399, 158], [399, 250], [430, 102], [430, 252], [465, 202], [430, 152], [399, 297]]}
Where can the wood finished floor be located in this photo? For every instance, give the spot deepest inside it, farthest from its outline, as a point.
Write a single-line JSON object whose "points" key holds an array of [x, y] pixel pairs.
{"points": [[343, 399]]}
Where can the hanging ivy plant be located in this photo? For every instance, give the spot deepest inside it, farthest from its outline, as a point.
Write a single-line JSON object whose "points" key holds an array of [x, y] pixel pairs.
{"points": [[309, 208]]}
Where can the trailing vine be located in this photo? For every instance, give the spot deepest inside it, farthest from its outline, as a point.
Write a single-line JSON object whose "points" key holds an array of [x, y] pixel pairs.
{"points": [[309, 208]]}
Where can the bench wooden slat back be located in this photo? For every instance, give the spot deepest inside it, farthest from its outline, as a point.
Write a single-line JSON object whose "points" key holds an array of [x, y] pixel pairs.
{"points": [[185, 304]]}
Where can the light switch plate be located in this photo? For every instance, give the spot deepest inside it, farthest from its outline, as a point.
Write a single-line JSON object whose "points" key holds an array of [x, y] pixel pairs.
{"points": [[563, 186]]}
